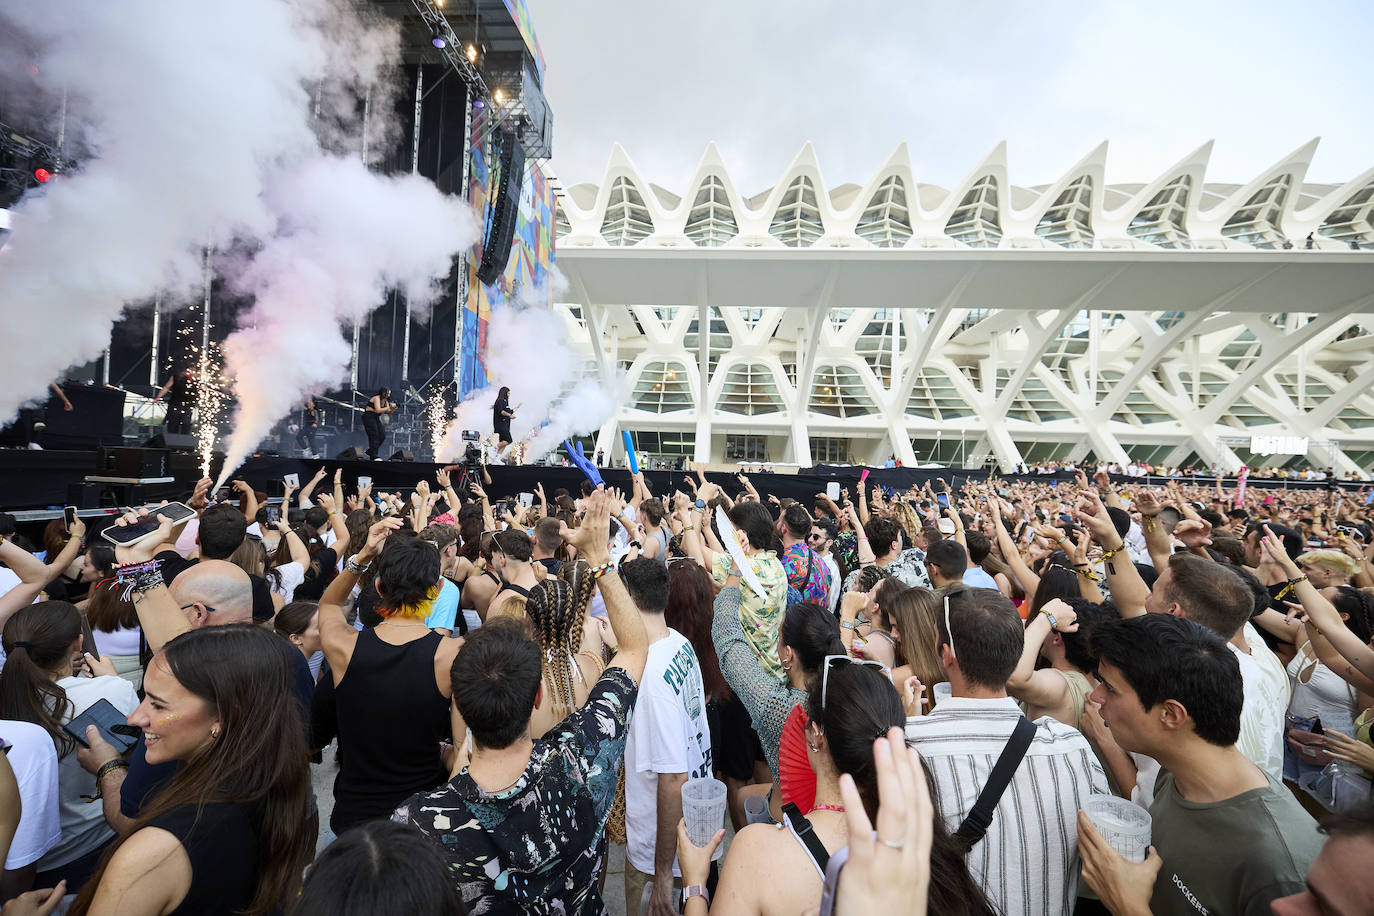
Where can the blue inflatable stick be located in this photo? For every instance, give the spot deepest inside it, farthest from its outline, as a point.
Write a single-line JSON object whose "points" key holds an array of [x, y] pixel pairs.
{"points": [[583, 465], [630, 451]]}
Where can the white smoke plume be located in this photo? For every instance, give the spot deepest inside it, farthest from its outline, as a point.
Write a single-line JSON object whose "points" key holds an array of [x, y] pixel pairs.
{"points": [[201, 125], [352, 235], [553, 390]]}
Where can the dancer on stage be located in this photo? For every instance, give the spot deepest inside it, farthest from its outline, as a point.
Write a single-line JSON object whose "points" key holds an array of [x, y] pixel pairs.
{"points": [[310, 422], [501, 415], [379, 410]]}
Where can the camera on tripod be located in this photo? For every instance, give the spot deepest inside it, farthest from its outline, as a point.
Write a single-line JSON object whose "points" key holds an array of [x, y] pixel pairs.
{"points": [[472, 455]]}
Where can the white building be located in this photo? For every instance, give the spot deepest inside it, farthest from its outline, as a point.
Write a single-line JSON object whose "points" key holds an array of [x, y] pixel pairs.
{"points": [[1165, 321]]}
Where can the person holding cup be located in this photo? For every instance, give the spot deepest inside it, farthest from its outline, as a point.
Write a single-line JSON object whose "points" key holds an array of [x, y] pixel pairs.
{"points": [[1227, 837]]}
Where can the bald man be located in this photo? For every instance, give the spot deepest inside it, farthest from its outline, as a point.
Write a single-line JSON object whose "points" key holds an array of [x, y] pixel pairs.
{"points": [[213, 593]]}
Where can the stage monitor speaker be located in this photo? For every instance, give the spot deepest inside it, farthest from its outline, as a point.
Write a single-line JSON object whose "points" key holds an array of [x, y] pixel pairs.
{"points": [[352, 453], [181, 441], [496, 246], [140, 462], [404, 454]]}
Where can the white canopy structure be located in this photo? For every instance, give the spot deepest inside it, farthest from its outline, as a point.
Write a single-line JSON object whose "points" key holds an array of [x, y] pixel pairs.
{"points": [[1165, 322]]}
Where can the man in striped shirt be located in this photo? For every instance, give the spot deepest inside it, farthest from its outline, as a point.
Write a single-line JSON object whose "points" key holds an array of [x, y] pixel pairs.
{"points": [[1028, 861]]}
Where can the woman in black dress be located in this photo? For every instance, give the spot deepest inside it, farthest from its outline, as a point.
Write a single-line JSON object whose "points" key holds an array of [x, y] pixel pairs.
{"points": [[501, 415], [230, 833]]}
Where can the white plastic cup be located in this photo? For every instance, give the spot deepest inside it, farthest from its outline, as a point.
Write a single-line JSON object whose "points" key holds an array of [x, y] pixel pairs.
{"points": [[1124, 825], [703, 808], [942, 691]]}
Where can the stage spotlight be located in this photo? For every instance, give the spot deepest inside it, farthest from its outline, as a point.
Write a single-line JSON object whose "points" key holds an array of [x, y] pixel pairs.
{"points": [[438, 40], [472, 53], [500, 97], [478, 104], [41, 175]]}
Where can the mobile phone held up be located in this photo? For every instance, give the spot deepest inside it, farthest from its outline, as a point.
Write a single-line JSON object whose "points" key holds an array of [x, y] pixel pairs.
{"points": [[112, 724], [832, 491], [943, 499], [69, 517], [123, 535]]}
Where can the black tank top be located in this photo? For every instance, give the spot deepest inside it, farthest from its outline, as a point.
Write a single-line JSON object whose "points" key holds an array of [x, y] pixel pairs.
{"points": [[223, 849], [391, 718]]}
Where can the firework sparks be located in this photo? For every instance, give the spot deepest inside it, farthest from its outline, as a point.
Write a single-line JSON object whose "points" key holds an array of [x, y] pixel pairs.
{"points": [[436, 415], [210, 385]]}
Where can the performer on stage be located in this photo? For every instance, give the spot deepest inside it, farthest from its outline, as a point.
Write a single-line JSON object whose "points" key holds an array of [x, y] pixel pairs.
{"points": [[379, 410], [179, 390], [305, 435], [501, 415]]}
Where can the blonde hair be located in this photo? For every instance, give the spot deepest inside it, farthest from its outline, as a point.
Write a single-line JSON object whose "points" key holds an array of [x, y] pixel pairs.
{"points": [[1333, 560]]}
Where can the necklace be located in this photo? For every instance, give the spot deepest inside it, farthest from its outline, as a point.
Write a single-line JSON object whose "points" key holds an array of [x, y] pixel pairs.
{"points": [[395, 624], [826, 808]]}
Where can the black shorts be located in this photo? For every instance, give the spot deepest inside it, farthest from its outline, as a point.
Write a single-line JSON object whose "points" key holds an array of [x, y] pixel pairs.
{"points": [[734, 744]]}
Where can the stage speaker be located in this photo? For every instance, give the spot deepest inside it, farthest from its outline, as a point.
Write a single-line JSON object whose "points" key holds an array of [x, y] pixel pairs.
{"points": [[404, 454], [140, 462], [163, 439], [352, 453], [501, 231]]}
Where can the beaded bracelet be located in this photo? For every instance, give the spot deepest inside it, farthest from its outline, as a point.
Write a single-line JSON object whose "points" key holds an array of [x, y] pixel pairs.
{"points": [[599, 571]]}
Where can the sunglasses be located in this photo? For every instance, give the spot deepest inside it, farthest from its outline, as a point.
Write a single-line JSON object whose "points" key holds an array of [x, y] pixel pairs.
{"points": [[833, 660]]}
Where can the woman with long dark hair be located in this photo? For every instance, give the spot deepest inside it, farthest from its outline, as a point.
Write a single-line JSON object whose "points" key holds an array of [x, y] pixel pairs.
{"points": [[229, 834], [501, 415], [38, 685], [379, 409], [770, 870], [115, 630]]}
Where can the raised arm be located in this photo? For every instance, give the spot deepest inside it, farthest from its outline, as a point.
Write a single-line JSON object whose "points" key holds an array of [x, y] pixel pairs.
{"points": [[1011, 553], [1045, 688], [590, 538], [158, 614], [1123, 579], [1157, 542], [1320, 612], [765, 698], [337, 636], [248, 500], [304, 499]]}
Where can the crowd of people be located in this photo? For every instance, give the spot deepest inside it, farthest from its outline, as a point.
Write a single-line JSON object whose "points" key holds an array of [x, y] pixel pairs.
{"points": [[912, 699]]}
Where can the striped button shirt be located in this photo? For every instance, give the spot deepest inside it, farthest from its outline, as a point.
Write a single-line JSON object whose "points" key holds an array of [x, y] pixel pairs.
{"points": [[1028, 862]]}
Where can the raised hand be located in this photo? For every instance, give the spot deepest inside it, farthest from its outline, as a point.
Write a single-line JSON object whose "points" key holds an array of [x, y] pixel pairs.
{"points": [[1194, 533], [441, 477], [591, 538], [376, 539]]}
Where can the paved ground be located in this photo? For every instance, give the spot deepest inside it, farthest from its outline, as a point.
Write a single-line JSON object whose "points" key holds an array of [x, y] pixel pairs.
{"points": [[322, 775]]}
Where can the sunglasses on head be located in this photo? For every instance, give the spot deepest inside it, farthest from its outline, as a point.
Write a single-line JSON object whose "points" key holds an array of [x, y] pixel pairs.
{"points": [[833, 660]]}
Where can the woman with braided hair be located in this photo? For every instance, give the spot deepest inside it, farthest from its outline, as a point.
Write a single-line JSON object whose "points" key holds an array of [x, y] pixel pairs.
{"points": [[570, 643]]}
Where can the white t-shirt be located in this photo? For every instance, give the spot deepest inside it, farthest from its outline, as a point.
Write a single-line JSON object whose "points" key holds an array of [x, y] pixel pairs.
{"points": [[1266, 700], [83, 822], [33, 758], [119, 642], [668, 734], [292, 575]]}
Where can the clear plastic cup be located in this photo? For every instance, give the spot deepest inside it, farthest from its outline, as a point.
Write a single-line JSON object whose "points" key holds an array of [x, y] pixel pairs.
{"points": [[703, 808], [1124, 825]]}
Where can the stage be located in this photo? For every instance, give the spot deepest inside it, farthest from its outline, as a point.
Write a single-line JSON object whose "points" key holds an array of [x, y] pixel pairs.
{"points": [[50, 479]]}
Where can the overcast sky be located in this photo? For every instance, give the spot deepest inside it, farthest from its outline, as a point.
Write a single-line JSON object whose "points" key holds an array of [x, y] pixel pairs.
{"points": [[663, 78]]}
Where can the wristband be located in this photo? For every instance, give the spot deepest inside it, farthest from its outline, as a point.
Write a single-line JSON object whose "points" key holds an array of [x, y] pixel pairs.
{"points": [[846, 624], [599, 571], [1108, 554], [110, 766], [695, 890], [352, 566], [1290, 586], [1054, 624]]}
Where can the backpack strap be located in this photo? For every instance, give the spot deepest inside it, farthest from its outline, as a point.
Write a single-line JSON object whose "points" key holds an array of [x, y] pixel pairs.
{"points": [[976, 825], [800, 827]]}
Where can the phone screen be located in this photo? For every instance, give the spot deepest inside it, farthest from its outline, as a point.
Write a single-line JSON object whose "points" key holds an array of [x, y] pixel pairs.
{"points": [[273, 515], [69, 516], [942, 499], [177, 512], [113, 726], [832, 490]]}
